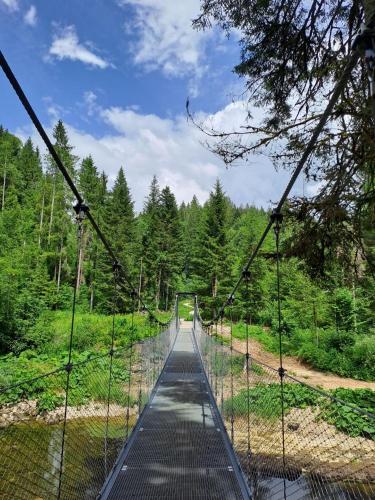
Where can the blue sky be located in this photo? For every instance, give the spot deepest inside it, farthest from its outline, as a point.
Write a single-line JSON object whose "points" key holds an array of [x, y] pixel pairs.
{"points": [[118, 73]]}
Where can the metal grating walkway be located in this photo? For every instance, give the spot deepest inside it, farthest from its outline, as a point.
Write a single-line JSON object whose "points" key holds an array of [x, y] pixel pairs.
{"points": [[179, 449]]}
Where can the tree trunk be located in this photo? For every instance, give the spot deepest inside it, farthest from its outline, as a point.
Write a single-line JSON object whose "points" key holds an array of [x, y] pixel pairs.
{"points": [[55, 268], [92, 297], [52, 209], [92, 284], [214, 286]]}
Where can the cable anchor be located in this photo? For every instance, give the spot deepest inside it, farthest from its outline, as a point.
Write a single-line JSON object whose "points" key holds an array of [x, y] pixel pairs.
{"points": [[116, 266], [230, 300], [81, 210], [68, 367], [246, 274], [277, 219]]}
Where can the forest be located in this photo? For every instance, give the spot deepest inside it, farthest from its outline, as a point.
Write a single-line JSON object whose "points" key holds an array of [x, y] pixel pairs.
{"points": [[328, 308]]}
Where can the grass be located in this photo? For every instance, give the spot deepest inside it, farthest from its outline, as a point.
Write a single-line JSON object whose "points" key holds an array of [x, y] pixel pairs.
{"points": [[257, 332]]}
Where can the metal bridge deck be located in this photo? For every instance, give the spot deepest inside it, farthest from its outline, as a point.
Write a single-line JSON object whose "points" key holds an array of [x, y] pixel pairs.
{"points": [[179, 449]]}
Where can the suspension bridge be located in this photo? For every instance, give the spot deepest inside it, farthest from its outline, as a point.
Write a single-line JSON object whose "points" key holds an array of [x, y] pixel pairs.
{"points": [[182, 414]]}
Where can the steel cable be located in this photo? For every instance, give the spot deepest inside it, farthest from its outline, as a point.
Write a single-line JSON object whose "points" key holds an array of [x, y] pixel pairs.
{"points": [[247, 322], [230, 304], [80, 210], [130, 365], [114, 311], [277, 220]]}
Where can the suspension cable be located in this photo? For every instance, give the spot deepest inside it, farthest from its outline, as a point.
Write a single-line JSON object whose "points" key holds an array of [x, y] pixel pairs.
{"points": [[80, 209], [111, 353], [134, 297], [140, 392], [216, 374], [230, 304], [277, 219], [247, 278], [222, 364]]}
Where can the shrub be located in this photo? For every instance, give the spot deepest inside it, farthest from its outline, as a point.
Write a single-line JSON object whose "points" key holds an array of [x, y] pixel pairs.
{"points": [[347, 419], [48, 401], [339, 340], [265, 400], [363, 357]]}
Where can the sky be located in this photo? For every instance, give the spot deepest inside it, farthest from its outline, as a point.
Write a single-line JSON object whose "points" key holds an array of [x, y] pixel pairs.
{"points": [[118, 73]]}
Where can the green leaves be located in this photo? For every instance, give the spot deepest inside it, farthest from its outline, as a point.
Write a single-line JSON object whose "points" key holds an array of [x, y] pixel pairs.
{"points": [[345, 417], [265, 402]]}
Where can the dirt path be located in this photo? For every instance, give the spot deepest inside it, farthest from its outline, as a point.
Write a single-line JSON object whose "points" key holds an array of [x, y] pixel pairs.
{"points": [[298, 369]]}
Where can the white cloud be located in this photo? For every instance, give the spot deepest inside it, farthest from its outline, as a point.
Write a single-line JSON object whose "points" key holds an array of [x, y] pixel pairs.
{"points": [[11, 4], [145, 144], [89, 99], [30, 17], [55, 111], [166, 39], [66, 45]]}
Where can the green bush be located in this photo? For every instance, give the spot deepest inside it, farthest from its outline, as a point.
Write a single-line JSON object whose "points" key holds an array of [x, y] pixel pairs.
{"points": [[363, 357], [265, 401], [48, 401], [339, 340], [345, 418]]}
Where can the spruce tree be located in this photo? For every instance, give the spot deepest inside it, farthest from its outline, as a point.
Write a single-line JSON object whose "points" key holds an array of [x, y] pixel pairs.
{"points": [[59, 213], [193, 235], [151, 238], [171, 251], [214, 262], [120, 220]]}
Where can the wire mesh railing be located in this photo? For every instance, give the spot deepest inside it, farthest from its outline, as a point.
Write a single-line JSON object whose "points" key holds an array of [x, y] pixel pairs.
{"points": [[59, 443], [325, 448]]}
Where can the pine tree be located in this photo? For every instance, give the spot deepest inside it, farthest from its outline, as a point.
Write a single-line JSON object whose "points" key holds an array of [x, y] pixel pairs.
{"points": [[171, 252], [101, 272], [89, 183], [150, 244], [120, 220], [59, 200], [214, 262], [193, 229], [10, 147]]}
